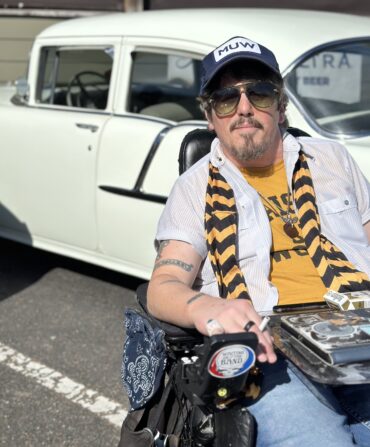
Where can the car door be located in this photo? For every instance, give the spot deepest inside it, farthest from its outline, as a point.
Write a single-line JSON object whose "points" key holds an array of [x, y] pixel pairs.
{"points": [[155, 108], [48, 170]]}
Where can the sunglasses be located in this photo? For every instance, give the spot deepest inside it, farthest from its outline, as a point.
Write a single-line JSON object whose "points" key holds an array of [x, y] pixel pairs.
{"points": [[261, 94]]}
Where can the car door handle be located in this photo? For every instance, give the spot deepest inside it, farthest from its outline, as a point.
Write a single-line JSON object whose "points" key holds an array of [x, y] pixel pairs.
{"points": [[91, 127]]}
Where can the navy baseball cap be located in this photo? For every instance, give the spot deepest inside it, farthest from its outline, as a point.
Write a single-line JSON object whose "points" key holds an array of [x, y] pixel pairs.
{"points": [[236, 48]]}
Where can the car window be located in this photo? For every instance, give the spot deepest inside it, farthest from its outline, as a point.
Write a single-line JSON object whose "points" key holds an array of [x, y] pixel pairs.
{"points": [[332, 86], [75, 77], [165, 86]]}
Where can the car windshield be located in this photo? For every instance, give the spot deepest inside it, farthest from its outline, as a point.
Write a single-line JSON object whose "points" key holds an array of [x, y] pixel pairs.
{"points": [[332, 88]]}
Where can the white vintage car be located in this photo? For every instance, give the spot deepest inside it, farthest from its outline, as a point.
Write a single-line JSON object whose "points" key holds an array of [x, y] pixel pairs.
{"points": [[89, 146]]}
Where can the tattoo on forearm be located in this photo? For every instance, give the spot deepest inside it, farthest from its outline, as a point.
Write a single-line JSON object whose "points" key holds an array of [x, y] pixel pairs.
{"points": [[162, 245], [176, 262], [195, 297], [172, 280]]}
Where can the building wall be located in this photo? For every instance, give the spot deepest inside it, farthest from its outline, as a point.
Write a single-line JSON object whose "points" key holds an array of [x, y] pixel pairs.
{"points": [[352, 6], [94, 5], [349, 6], [16, 38]]}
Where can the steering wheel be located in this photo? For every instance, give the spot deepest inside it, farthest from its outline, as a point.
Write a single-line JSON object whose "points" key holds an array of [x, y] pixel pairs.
{"points": [[89, 94]]}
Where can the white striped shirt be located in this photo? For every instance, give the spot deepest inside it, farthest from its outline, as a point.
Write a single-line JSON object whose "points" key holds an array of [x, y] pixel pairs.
{"points": [[342, 197]]}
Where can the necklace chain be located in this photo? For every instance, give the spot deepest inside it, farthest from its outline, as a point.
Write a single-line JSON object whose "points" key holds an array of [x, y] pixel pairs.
{"points": [[285, 216]]}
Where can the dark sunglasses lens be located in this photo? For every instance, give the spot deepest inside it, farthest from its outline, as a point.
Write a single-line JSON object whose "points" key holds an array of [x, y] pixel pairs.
{"points": [[262, 94], [224, 101]]}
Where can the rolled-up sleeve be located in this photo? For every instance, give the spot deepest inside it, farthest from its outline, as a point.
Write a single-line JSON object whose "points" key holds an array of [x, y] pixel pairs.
{"points": [[183, 216]]}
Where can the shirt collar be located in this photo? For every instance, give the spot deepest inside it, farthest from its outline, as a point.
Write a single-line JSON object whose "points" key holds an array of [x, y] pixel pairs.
{"points": [[218, 157], [290, 143]]}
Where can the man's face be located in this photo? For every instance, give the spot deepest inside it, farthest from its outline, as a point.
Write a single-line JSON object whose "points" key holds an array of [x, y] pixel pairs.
{"points": [[249, 133]]}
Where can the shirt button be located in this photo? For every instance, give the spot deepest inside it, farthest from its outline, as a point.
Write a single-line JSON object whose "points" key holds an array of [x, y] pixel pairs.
{"points": [[346, 202]]}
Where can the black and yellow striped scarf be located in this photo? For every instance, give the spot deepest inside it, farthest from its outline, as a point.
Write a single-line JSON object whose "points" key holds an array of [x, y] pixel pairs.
{"points": [[221, 227]]}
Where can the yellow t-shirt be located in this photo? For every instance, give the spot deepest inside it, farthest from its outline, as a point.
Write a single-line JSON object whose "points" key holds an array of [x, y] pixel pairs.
{"points": [[292, 270]]}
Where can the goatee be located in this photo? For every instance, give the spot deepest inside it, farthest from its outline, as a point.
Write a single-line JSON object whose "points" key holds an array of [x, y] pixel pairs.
{"points": [[250, 150]]}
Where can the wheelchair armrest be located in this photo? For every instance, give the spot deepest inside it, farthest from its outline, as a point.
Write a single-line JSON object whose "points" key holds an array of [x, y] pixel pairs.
{"points": [[141, 293]]}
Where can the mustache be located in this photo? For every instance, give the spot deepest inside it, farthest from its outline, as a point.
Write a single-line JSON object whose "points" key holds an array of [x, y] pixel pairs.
{"points": [[246, 120]]}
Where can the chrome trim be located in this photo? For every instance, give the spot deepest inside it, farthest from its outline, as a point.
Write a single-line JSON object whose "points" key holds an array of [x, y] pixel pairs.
{"points": [[152, 151], [134, 194], [137, 192], [71, 109], [161, 120]]}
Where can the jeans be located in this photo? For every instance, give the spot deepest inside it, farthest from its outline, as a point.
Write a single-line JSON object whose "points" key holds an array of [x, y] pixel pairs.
{"points": [[293, 411]]}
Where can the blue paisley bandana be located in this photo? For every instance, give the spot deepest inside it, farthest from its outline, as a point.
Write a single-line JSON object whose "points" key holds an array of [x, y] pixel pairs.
{"points": [[144, 358]]}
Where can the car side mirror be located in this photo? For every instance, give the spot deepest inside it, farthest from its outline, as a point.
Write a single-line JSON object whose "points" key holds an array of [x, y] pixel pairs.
{"points": [[22, 91]]}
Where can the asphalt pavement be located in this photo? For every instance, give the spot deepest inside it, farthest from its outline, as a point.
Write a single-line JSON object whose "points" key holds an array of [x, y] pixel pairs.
{"points": [[61, 337]]}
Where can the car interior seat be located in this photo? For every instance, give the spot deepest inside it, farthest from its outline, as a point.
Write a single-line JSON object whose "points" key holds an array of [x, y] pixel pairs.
{"points": [[168, 110]]}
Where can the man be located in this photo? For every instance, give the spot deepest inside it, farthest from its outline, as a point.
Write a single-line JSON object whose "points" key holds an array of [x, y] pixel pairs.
{"points": [[269, 219]]}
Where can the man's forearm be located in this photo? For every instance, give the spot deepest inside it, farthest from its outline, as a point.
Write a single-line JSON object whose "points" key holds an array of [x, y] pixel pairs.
{"points": [[169, 299]]}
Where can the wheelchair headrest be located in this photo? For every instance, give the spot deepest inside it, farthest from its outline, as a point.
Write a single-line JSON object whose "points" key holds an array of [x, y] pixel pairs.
{"points": [[197, 143]]}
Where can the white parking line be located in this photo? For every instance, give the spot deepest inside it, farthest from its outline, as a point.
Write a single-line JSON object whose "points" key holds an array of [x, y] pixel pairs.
{"points": [[54, 380]]}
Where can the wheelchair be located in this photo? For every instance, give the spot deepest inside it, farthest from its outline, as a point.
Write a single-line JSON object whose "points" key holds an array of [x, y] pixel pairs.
{"points": [[209, 381]]}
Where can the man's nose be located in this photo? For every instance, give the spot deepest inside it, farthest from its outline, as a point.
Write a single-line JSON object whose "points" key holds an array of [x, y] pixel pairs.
{"points": [[244, 106]]}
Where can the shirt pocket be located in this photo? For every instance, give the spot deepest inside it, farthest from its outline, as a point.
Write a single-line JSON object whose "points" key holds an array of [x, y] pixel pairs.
{"points": [[343, 218], [339, 205]]}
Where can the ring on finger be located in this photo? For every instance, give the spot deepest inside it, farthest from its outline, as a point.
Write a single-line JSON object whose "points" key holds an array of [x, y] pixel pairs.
{"points": [[249, 325], [214, 327]]}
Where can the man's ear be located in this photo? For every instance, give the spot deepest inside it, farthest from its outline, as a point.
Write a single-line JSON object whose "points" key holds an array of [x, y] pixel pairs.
{"points": [[282, 117], [209, 119]]}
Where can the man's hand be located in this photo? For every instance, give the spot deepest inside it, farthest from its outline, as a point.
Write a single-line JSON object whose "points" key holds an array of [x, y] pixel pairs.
{"points": [[232, 316]]}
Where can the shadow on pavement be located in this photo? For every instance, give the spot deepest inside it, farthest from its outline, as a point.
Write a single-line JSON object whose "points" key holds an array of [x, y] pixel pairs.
{"points": [[21, 266]]}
